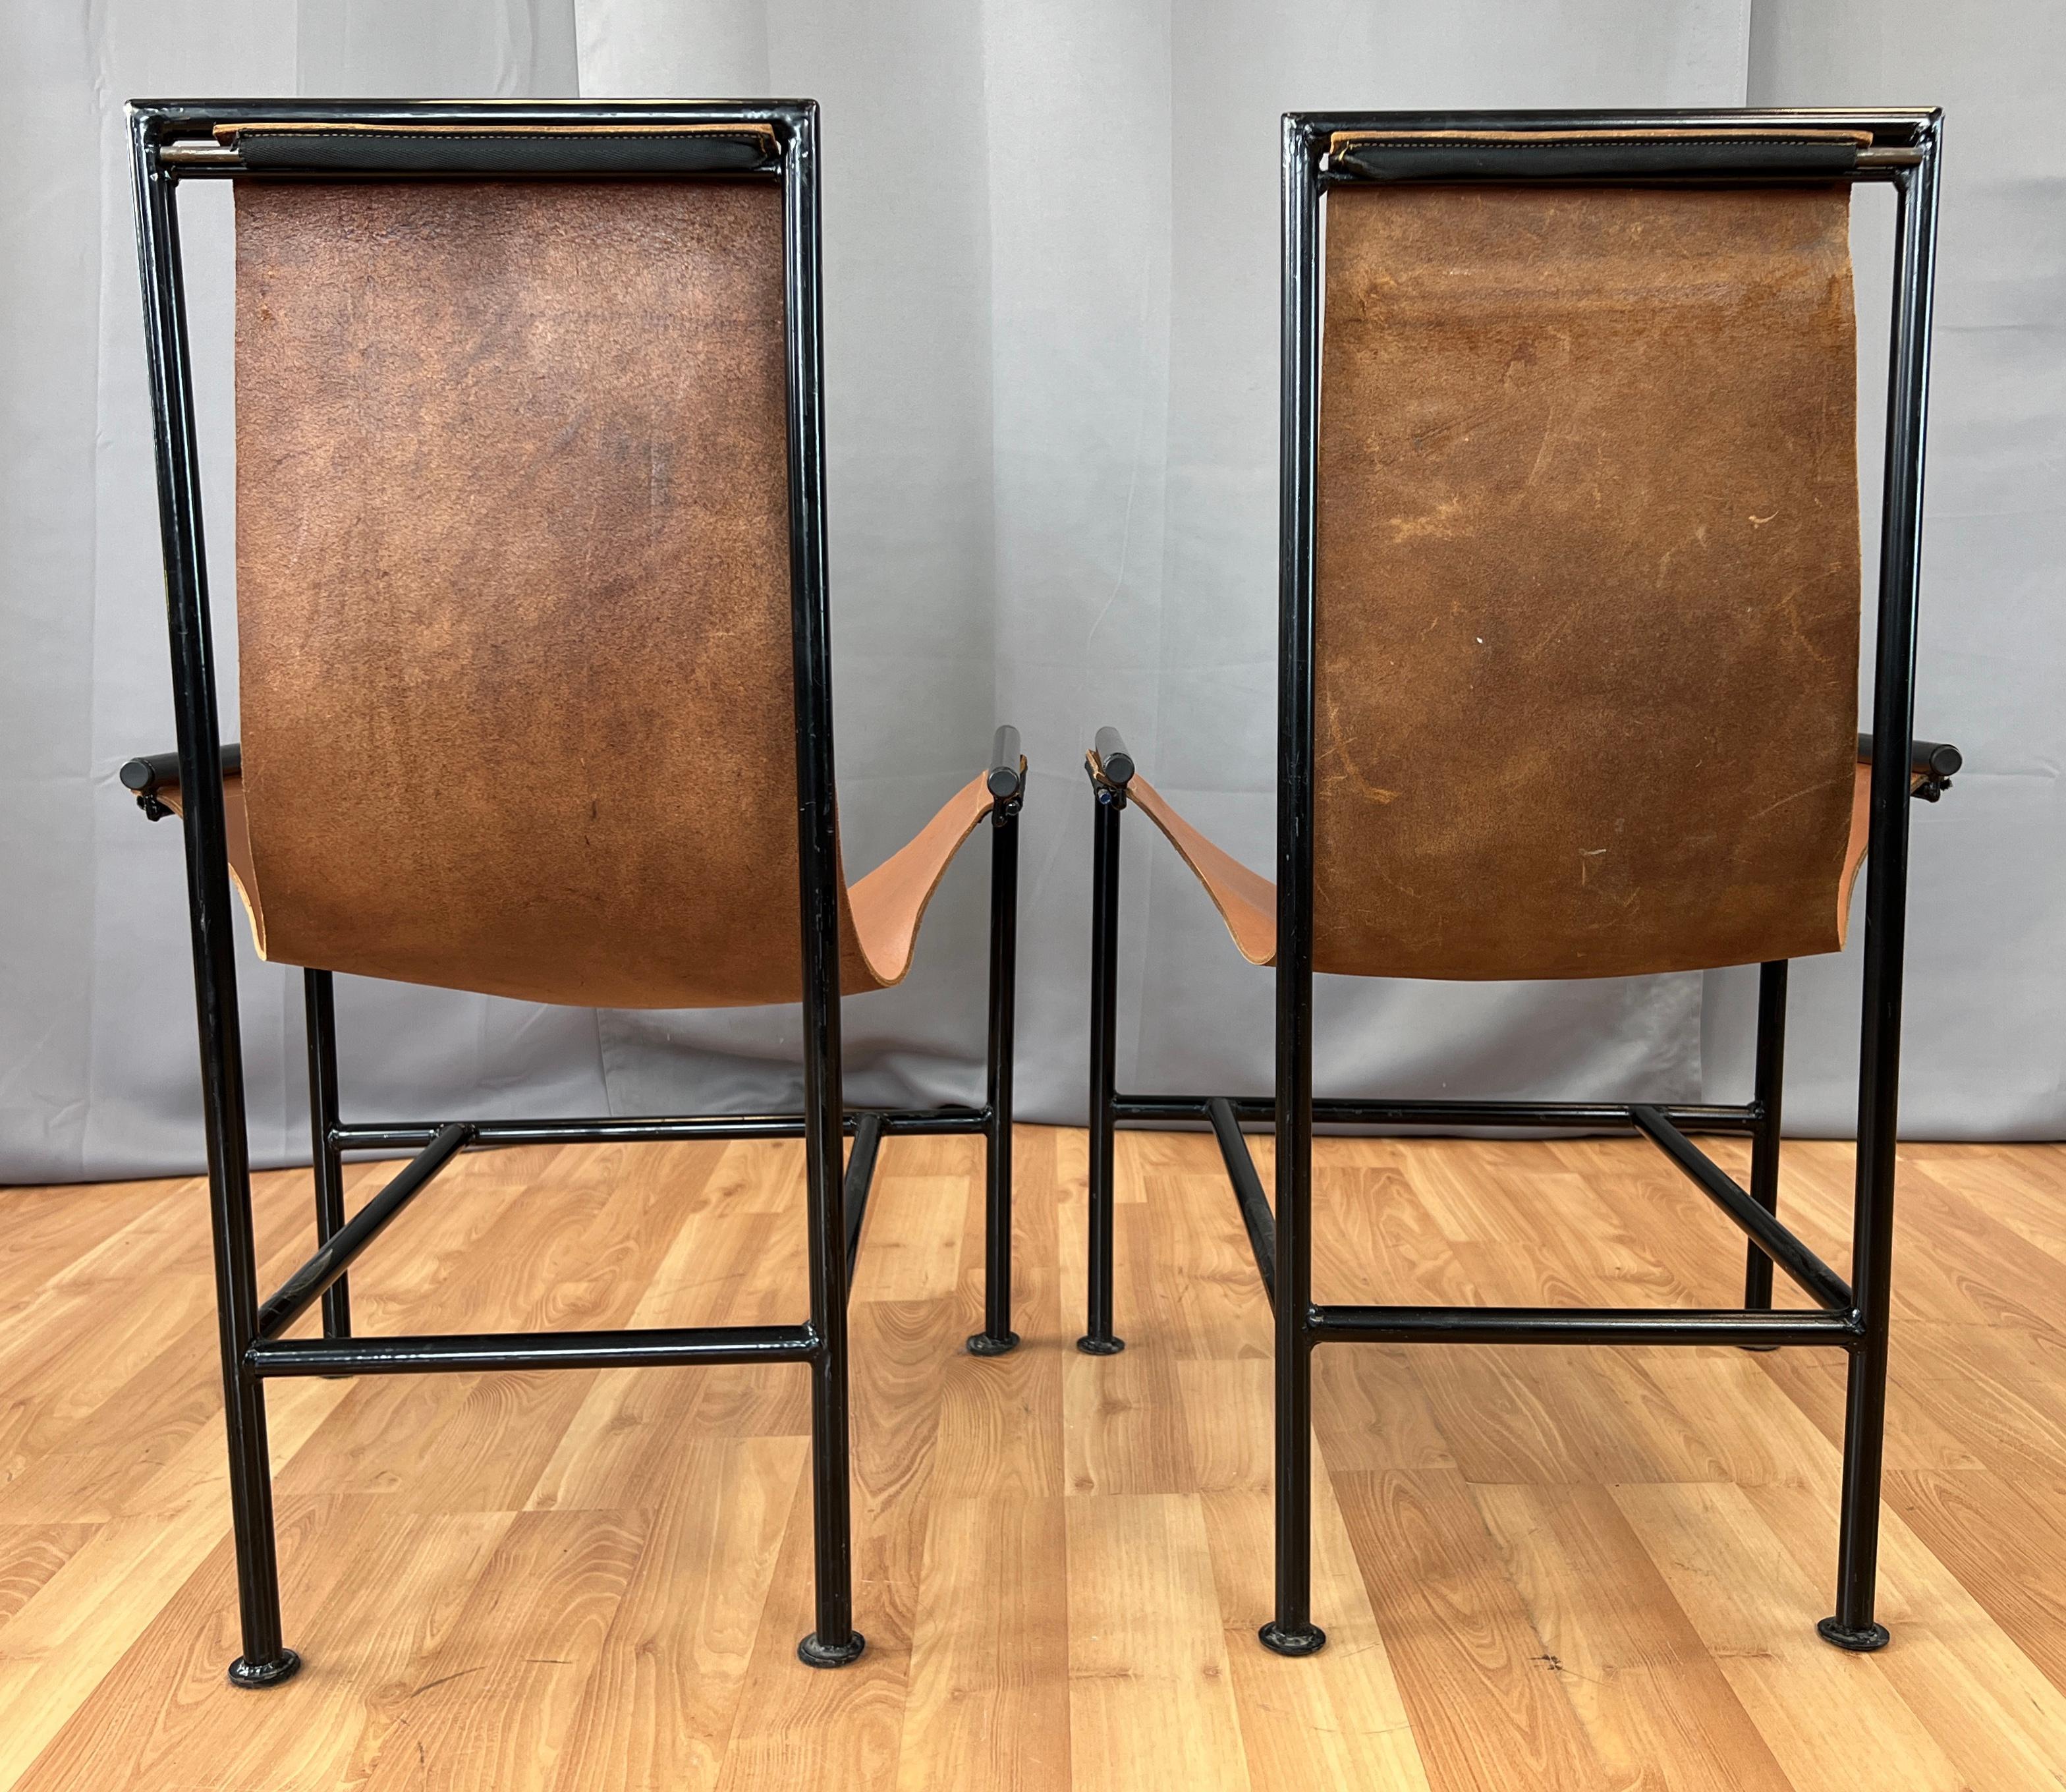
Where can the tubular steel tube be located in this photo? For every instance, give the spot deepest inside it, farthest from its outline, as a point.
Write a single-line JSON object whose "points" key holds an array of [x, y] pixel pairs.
{"points": [[1854, 1626], [859, 1179], [1255, 1215], [1114, 761], [1006, 776], [1163, 1107], [1291, 1630], [833, 1641], [153, 772], [406, 1134], [996, 1337], [933, 1120], [265, 1660], [1817, 1279], [319, 1005], [1568, 1325], [1099, 1339], [334, 1257], [1928, 758], [1769, 1100], [1586, 1114], [657, 1347], [1591, 1116]]}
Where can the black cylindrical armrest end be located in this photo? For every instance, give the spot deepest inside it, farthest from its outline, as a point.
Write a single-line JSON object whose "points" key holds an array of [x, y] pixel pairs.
{"points": [[1113, 759], [1939, 758], [154, 771], [1935, 762], [1007, 764]]}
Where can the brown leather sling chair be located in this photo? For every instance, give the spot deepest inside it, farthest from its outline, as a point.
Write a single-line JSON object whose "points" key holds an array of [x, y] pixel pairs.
{"points": [[535, 677], [1569, 581]]}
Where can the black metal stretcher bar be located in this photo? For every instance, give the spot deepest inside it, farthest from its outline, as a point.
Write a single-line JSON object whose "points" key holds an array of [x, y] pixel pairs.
{"points": [[1817, 1279], [1767, 1235], [1256, 1218], [860, 1178], [1585, 1116], [336, 1254], [1580, 1325], [655, 1130], [657, 1347]]}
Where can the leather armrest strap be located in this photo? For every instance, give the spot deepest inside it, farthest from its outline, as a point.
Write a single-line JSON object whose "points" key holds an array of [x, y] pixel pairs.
{"points": [[237, 831], [888, 904], [1246, 900]]}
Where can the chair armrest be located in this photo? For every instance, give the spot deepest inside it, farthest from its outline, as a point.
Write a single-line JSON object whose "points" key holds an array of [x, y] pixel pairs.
{"points": [[156, 771], [886, 905], [1006, 779], [1246, 900], [1110, 763], [1931, 764]]}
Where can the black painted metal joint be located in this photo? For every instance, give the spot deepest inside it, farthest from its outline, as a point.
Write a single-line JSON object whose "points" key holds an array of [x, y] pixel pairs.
{"points": [[147, 775], [1109, 766], [1006, 779], [1932, 763]]}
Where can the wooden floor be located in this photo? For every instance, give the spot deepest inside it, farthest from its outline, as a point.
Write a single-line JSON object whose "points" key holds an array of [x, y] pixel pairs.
{"points": [[1566, 1569]]}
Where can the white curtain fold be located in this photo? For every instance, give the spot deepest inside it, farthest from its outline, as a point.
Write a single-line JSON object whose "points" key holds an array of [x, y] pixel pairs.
{"points": [[1051, 290]]}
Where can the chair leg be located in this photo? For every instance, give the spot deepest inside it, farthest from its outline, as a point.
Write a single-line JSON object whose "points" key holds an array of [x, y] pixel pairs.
{"points": [[1291, 1630], [834, 1642], [1100, 1340], [1854, 1626], [1857, 1549], [319, 1004], [265, 1660], [997, 1337], [1769, 1095]]}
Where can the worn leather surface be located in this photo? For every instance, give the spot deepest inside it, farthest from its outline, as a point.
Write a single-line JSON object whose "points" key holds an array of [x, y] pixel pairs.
{"points": [[1588, 592], [1247, 901], [514, 591], [237, 838]]}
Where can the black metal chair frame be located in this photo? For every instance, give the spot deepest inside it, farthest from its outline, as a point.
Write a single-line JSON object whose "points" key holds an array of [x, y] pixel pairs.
{"points": [[1851, 1316], [172, 141]]}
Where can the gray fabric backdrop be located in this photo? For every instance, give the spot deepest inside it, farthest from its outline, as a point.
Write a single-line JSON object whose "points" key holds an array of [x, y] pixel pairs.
{"points": [[1051, 229]]}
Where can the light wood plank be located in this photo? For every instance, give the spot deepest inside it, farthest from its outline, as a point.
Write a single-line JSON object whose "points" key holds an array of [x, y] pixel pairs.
{"points": [[1835, 1720], [1571, 1568], [1151, 1696], [989, 1698]]}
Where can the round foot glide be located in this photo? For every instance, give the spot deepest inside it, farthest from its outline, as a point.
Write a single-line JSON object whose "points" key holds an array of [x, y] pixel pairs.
{"points": [[1310, 1640], [1760, 1350], [814, 1654], [1100, 1347], [276, 1672], [1858, 1642], [986, 1344]]}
